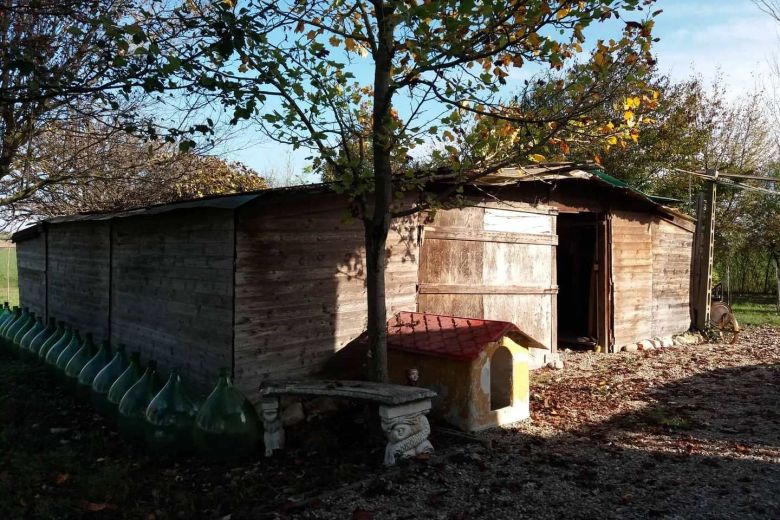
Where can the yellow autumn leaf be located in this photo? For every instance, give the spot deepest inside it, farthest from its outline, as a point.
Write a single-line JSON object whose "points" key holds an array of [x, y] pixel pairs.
{"points": [[562, 13], [536, 157], [628, 115], [334, 41], [350, 44], [612, 140], [631, 103]]}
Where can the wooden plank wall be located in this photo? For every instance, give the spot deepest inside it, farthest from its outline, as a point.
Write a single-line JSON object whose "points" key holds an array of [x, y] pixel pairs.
{"points": [[651, 260], [672, 250], [172, 290], [78, 275], [632, 276], [300, 286], [31, 268], [493, 262]]}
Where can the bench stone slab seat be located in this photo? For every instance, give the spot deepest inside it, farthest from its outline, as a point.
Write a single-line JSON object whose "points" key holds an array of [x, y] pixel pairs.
{"points": [[402, 411]]}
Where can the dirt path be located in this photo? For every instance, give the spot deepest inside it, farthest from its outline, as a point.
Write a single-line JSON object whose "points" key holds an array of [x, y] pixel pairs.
{"points": [[687, 432]]}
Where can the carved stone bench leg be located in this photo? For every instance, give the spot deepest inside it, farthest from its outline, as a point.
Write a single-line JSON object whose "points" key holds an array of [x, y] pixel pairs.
{"points": [[273, 431], [407, 429]]}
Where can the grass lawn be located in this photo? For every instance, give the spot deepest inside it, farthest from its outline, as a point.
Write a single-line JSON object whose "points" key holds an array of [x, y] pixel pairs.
{"points": [[9, 281], [756, 310]]}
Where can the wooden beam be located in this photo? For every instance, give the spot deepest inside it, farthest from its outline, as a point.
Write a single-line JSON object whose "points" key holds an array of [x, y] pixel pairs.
{"points": [[755, 177], [705, 254], [437, 288], [490, 236]]}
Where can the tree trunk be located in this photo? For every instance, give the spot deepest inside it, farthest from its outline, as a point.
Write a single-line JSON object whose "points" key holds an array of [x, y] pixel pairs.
{"points": [[378, 225], [377, 306], [776, 258], [766, 273]]}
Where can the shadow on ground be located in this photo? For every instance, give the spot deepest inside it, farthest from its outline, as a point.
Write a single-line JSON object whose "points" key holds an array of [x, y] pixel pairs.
{"points": [[706, 446]]}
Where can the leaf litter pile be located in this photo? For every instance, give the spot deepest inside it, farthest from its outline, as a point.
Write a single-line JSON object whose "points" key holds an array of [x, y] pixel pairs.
{"points": [[684, 432]]}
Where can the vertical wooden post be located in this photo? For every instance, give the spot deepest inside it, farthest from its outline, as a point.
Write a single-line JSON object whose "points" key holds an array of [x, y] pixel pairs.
{"points": [[728, 284], [705, 252]]}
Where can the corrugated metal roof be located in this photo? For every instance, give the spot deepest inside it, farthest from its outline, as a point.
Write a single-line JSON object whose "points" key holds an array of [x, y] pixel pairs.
{"points": [[222, 202], [505, 177], [229, 201], [576, 171]]}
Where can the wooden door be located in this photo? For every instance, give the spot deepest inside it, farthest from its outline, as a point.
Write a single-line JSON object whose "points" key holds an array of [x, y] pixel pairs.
{"points": [[493, 262]]}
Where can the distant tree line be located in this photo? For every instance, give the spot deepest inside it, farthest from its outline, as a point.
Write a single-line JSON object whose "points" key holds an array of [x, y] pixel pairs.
{"points": [[697, 127]]}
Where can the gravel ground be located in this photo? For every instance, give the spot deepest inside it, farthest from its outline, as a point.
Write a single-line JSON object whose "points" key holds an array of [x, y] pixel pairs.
{"points": [[684, 432]]}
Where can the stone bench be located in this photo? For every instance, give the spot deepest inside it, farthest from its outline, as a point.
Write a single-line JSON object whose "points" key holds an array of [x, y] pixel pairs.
{"points": [[402, 411]]}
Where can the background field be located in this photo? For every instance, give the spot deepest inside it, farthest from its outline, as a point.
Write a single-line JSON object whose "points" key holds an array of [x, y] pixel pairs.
{"points": [[756, 309], [9, 282]]}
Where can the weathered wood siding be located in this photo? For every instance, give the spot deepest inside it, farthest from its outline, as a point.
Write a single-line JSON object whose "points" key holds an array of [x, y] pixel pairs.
{"points": [[301, 286], [493, 262], [78, 275], [651, 261], [672, 250], [172, 290], [31, 268], [632, 276]]}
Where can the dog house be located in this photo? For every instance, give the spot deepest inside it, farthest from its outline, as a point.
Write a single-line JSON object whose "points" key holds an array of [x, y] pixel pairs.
{"points": [[479, 368]]}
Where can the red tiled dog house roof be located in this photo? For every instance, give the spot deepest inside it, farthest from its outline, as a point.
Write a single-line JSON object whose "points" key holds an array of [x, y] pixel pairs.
{"points": [[461, 339]]}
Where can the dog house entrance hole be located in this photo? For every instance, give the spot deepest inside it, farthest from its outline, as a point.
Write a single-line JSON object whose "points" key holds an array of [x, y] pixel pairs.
{"points": [[501, 379]]}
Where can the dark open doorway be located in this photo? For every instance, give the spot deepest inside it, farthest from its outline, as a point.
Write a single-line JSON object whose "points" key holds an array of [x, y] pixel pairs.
{"points": [[581, 298]]}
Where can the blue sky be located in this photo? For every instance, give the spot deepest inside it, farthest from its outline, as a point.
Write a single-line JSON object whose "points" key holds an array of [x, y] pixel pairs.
{"points": [[697, 36]]}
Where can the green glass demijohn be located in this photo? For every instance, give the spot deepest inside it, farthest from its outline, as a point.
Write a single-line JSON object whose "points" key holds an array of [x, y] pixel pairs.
{"points": [[42, 337], [68, 352], [16, 326], [77, 362], [226, 425], [59, 333], [91, 369], [15, 313], [5, 313], [105, 378], [19, 317], [170, 418], [131, 412], [54, 352], [24, 345], [23, 329], [12, 315], [123, 383]]}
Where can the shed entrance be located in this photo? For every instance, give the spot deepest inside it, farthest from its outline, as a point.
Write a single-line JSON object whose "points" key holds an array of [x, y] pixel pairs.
{"points": [[581, 285]]}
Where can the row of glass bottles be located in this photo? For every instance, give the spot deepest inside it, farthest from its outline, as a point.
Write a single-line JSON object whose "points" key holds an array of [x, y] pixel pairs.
{"points": [[224, 427]]}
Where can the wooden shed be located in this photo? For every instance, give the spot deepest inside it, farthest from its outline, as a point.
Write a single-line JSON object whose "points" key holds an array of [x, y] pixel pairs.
{"points": [[272, 283]]}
